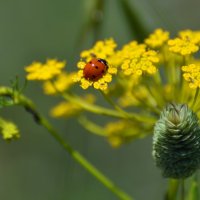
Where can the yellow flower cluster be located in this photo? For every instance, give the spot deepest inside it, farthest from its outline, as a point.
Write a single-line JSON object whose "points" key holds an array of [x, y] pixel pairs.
{"points": [[122, 131], [8, 130], [46, 71], [183, 45], [192, 75], [193, 36], [114, 130], [157, 38], [61, 83], [103, 50], [138, 60]]}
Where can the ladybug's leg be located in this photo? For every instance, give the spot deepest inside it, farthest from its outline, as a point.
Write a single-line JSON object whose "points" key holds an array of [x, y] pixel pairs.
{"points": [[93, 55]]}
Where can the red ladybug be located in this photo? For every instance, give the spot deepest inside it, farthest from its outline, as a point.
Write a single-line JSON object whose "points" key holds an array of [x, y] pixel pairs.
{"points": [[95, 69]]}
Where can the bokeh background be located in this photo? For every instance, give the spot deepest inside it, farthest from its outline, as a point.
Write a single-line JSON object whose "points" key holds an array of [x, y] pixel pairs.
{"points": [[36, 167]]}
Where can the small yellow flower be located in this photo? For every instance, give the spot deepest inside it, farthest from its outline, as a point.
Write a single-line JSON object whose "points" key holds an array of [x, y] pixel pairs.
{"points": [[157, 38], [62, 83], [184, 46], [102, 50], [46, 71], [192, 75]]}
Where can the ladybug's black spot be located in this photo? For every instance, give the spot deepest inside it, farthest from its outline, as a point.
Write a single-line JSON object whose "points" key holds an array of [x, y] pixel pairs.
{"points": [[96, 67], [90, 62]]}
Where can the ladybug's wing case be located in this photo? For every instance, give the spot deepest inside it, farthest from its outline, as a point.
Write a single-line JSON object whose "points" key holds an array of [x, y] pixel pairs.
{"points": [[95, 69]]}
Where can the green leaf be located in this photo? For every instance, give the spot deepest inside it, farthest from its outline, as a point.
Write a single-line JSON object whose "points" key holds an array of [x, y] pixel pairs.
{"points": [[135, 20], [93, 19]]}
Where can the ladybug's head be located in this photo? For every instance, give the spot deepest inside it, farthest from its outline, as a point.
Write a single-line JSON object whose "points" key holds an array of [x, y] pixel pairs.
{"points": [[103, 61]]}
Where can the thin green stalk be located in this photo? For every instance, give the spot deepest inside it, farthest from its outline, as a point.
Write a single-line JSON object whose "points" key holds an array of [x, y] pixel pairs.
{"points": [[193, 193], [172, 190], [105, 111], [91, 126], [195, 98], [85, 164], [112, 103], [182, 185], [20, 99]]}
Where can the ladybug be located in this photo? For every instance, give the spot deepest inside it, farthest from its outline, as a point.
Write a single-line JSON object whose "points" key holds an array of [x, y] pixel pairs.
{"points": [[95, 69]]}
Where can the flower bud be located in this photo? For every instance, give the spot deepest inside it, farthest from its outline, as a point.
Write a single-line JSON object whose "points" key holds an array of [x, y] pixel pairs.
{"points": [[176, 141]]}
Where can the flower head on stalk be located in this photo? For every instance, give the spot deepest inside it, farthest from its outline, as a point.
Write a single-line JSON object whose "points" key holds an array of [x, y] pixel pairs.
{"points": [[103, 50], [138, 60], [157, 38], [186, 43]]}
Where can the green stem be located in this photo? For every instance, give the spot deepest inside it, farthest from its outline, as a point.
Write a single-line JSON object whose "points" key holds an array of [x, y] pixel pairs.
{"points": [[91, 126], [20, 99], [182, 185], [195, 97], [172, 189], [84, 163], [112, 103]]}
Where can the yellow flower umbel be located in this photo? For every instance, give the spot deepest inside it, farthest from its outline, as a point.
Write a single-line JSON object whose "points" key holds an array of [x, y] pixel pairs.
{"points": [[186, 44], [192, 75], [157, 38], [137, 60], [102, 50], [42, 72], [123, 131]]}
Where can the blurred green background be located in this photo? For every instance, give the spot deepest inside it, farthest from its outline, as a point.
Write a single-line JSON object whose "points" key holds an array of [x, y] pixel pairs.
{"points": [[36, 167]]}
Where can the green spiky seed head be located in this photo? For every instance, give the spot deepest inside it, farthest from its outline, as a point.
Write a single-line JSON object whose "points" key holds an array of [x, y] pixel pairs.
{"points": [[176, 141]]}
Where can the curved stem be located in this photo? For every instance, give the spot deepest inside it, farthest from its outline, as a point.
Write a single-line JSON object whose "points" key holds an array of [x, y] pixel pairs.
{"points": [[91, 126], [19, 99]]}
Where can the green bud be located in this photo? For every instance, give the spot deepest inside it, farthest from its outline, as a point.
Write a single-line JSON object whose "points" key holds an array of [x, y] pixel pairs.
{"points": [[176, 141]]}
